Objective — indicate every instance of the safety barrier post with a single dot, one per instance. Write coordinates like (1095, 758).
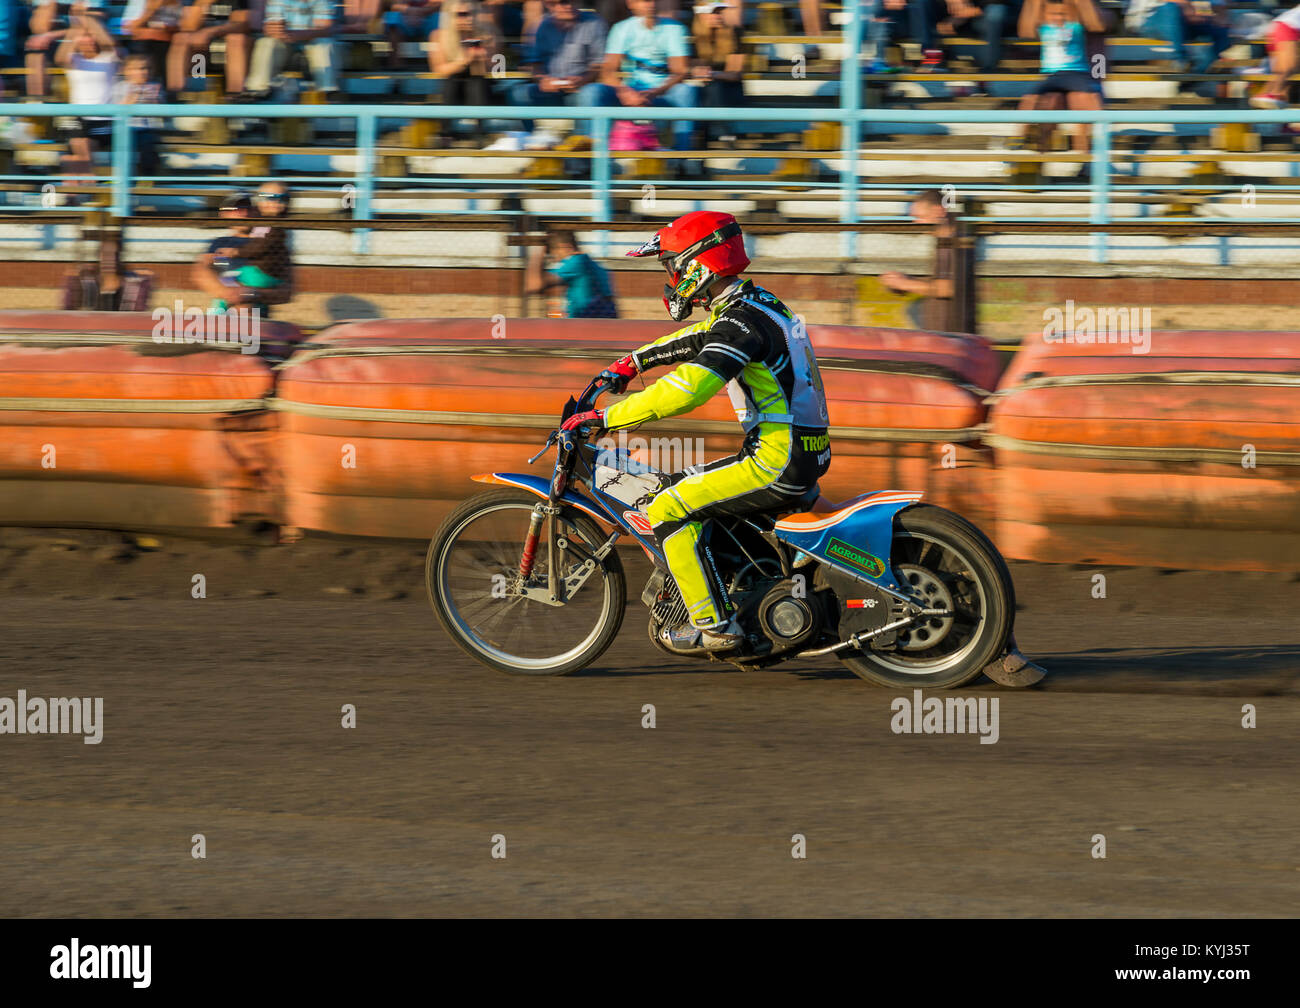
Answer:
(851, 126)
(1100, 208)
(367, 124)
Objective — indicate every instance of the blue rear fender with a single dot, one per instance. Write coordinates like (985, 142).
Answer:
(857, 539)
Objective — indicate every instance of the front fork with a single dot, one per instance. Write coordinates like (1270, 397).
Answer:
(542, 514)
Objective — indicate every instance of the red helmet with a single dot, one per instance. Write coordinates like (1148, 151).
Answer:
(696, 249)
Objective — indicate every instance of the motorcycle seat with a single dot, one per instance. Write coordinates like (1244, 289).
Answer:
(829, 514)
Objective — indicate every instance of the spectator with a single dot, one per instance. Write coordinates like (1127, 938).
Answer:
(49, 26)
(564, 59)
(148, 27)
(409, 21)
(107, 285)
(947, 296)
(1061, 27)
(646, 64)
(1284, 33)
(88, 54)
(198, 29)
(293, 23)
(588, 292)
(989, 20)
(882, 18)
(10, 17)
(1179, 22)
(276, 257)
(233, 271)
(719, 64)
(135, 88)
(460, 53)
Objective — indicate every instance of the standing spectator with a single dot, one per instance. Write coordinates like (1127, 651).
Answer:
(90, 59)
(199, 29)
(1062, 27)
(719, 63)
(292, 23)
(1284, 33)
(646, 64)
(460, 53)
(135, 88)
(564, 59)
(409, 21)
(49, 26)
(1179, 22)
(148, 27)
(588, 292)
(947, 302)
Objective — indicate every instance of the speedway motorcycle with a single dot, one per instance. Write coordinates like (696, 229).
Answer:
(525, 579)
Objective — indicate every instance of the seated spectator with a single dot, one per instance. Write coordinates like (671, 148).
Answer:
(587, 289)
(275, 258)
(1284, 33)
(135, 88)
(48, 26)
(289, 24)
(1061, 27)
(460, 52)
(719, 63)
(646, 64)
(91, 63)
(884, 19)
(409, 21)
(989, 20)
(244, 268)
(147, 28)
(107, 285)
(361, 17)
(564, 60)
(10, 17)
(199, 28)
(1179, 22)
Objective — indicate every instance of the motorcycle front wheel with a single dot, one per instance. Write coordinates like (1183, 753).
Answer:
(472, 576)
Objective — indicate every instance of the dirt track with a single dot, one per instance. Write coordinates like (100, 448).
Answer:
(222, 717)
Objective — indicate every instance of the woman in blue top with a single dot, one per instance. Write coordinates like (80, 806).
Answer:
(1070, 70)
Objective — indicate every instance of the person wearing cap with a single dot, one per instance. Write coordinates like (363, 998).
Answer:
(719, 62)
(215, 267)
(565, 58)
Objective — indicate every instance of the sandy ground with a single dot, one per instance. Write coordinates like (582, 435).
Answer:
(222, 717)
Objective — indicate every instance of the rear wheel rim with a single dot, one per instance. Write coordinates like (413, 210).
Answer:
(953, 569)
(475, 574)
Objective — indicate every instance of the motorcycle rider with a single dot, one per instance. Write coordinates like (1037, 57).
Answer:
(760, 351)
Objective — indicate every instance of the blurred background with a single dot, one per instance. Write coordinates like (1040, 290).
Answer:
(391, 137)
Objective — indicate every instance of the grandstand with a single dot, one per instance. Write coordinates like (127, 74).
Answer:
(824, 154)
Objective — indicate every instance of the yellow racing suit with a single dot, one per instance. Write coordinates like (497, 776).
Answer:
(752, 344)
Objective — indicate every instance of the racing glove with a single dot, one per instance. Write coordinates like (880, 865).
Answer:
(594, 418)
(620, 373)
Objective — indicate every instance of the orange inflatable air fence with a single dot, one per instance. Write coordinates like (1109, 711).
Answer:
(104, 427)
(1185, 456)
(384, 422)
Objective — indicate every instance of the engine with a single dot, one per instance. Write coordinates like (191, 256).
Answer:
(789, 615)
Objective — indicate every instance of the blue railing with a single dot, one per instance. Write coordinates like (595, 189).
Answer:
(849, 114)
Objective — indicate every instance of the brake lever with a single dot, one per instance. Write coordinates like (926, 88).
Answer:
(550, 440)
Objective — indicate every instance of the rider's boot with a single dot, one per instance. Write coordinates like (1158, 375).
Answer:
(686, 637)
